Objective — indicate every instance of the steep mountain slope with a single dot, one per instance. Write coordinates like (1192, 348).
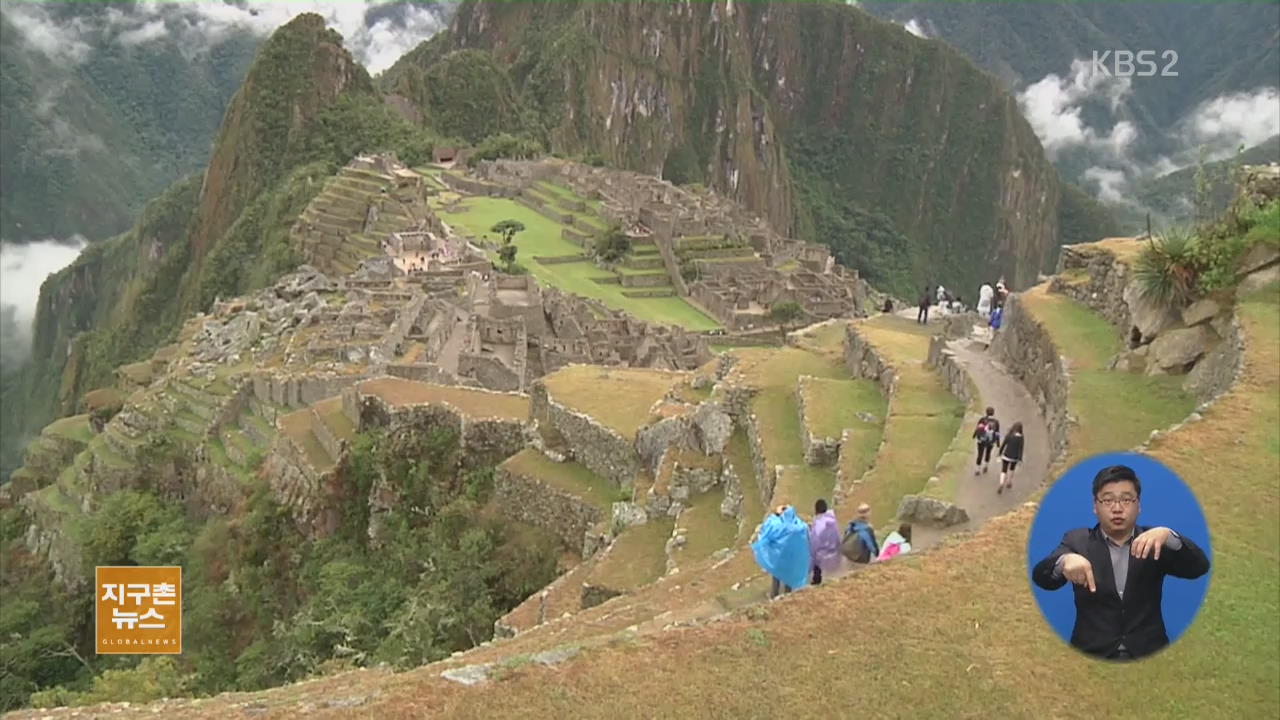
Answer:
(1021, 43)
(305, 107)
(913, 165)
(87, 141)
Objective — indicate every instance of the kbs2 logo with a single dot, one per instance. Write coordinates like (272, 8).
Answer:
(138, 610)
(1123, 63)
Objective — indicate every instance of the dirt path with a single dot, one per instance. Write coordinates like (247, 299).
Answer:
(977, 494)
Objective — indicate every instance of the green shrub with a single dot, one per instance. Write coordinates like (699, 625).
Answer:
(613, 245)
(1168, 269)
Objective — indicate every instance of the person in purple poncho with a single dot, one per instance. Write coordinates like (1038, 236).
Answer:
(824, 541)
(781, 548)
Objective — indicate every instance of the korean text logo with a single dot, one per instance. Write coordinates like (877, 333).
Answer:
(1122, 63)
(138, 610)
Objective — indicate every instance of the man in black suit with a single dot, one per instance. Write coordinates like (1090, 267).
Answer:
(1118, 570)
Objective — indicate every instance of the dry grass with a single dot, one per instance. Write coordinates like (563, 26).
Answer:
(1124, 249)
(567, 476)
(476, 403)
(619, 398)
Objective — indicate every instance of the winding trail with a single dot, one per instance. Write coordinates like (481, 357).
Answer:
(977, 493)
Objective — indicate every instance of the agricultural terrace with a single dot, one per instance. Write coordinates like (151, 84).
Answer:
(543, 237)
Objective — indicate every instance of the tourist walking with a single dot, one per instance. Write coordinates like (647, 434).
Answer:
(824, 542)
(1010, 456)
(986, 294)
(859, 544)
(898, 543)
(987, 433)
(922, 315)
(997, 317)
(781, 548)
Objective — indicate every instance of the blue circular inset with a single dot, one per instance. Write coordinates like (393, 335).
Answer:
(1165, 502)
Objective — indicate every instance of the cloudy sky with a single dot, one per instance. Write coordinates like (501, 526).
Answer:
(376, 31)
(1055, 108)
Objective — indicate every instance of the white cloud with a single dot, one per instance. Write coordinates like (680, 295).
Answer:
(914, 27)
(23, 267)
(1054, 106)
(61, 42)
(1229, 121)
(377, 32)
(147, 32)
(1112, 184)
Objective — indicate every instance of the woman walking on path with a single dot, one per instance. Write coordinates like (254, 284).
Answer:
(1010, 456)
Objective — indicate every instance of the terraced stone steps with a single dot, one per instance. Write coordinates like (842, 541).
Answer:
(700, 529)
(636, 558)
(299, 427)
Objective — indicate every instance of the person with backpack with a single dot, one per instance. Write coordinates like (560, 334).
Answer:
(859, 544)
(824, 542)
(987, 433)
(1010, 456)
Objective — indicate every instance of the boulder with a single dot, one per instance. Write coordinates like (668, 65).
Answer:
(627, 514)
(1259, 279)
(1148, 317)
(1258, 257)
(713, 426)
(916, 508)
(1174, 350)
(1200, 311)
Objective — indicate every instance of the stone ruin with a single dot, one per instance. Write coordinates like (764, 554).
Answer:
(739, 259)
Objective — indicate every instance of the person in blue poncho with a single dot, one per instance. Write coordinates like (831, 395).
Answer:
(781, 547)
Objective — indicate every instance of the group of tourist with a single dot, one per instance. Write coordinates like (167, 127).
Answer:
(987, 435)
(990, 302)
(796, 553)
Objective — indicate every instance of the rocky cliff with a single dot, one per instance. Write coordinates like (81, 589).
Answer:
(900, 154)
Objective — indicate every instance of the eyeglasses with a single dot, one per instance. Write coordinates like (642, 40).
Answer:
(1112, 501)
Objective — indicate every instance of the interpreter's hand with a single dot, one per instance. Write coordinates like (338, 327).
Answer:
(1078, 570)
(1149, 542)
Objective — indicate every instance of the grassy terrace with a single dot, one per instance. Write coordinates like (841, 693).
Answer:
(619, 398)
(706, 530)
(567, 476)
(476, 403)
(75, 427)
(1115, 409)
(297, 426)
(977, 643)
(922, 421)
(739, 453)
(774, 372)
(542, 238)
(638, 557)
(833, 405)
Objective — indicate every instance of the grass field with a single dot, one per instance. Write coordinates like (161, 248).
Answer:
(1115, 409)
(476, 403)
(922, 423)
(774, 372)
(567, 476)
(971, 642)
(637, 557)
(542, 238)
(619, 398)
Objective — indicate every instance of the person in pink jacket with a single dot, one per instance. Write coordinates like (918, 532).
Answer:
(824, 541)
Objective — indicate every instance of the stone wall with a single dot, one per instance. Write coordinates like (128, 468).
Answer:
(489, 372)
(1027, 351)
(299, 390)
(862, 360)
(1216, 372)
(817, 451)
(598, 448)
(427, 373)
(531, 501)
(954, 377)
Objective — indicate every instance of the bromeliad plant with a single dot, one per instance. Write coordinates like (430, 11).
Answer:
(1168, 269)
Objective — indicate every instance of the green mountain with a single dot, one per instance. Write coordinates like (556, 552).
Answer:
(838, 127)
(87, 141)
(1221, 48)
(304, 108)
(1171, 198)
